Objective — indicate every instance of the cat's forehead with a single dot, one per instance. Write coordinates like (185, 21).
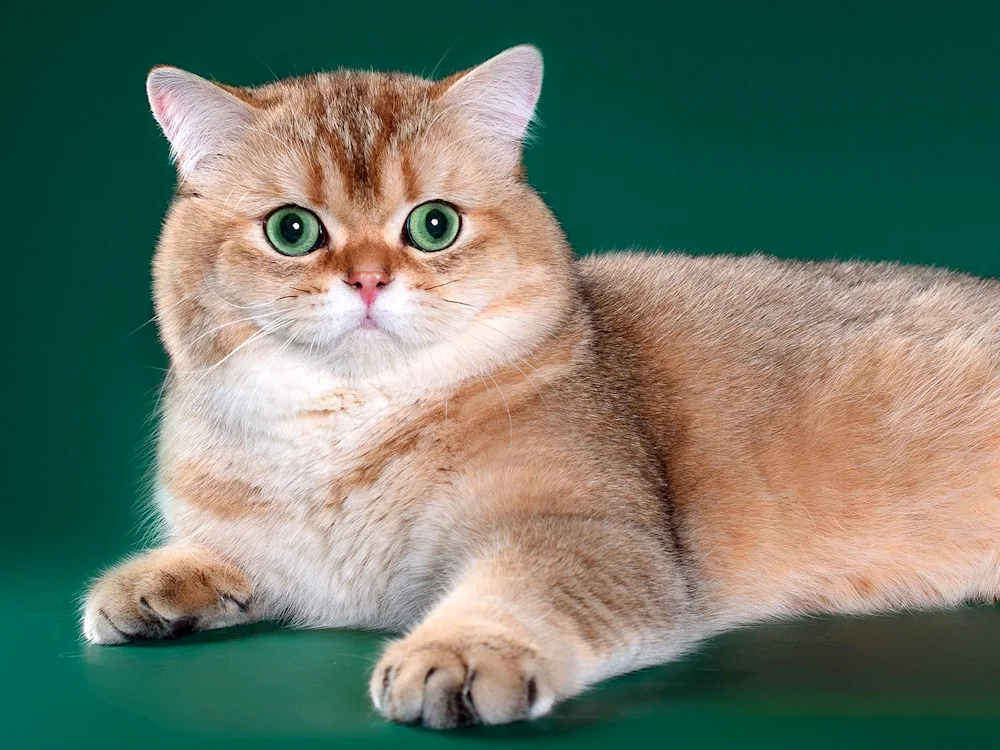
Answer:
(356, 107)
(302, 135)
(355, 120)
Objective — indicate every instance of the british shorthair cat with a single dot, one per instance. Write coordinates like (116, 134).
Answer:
(398, 401)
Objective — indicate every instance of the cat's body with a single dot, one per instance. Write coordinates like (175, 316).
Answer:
(831, 431)
(551, 470)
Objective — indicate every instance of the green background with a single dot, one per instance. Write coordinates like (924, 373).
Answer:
(806, 129)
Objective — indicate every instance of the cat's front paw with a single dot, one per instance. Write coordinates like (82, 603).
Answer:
(166, 593)
(454, 679)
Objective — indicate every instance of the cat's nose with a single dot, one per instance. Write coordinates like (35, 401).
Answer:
(368, 283)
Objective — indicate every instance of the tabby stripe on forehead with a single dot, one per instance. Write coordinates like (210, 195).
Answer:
(360, 129)
(409, 178)
(315, 177)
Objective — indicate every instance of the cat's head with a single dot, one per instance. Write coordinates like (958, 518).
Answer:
(377, 223)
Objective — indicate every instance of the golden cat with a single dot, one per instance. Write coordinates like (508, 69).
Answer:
(398, 401)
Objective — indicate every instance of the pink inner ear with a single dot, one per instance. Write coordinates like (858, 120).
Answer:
(197, 116)
(500, 95)
(158, 103)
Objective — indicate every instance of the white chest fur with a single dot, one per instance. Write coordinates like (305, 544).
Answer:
(321, 553)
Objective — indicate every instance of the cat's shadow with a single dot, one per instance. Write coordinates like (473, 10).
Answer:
(280, 680)
(885, 667)
(235, 633)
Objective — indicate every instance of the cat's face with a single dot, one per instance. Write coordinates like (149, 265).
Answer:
(372, 222)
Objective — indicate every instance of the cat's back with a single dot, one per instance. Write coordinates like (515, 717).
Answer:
(655, 296)
(736, 340)
(794, 402)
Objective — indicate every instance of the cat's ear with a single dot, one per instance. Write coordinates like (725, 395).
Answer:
(499, 96)
(198, 117)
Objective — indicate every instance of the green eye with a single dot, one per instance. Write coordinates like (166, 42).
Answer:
(292, 230)
(432, 226)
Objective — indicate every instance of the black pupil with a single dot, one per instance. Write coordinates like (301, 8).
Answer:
(292, 227)
(436, 223)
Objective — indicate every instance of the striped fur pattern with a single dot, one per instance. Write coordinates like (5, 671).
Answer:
(544, 471)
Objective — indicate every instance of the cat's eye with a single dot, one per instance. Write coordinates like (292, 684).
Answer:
(433, 226)
(293, 230)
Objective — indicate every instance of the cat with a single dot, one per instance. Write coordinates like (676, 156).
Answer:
(397, 400)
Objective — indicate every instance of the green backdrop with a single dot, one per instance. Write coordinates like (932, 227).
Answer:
(808, 129)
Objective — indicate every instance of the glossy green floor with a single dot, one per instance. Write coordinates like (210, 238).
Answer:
(806, 129)
(926, 680)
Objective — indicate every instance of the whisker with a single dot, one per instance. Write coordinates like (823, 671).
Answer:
(266, 66)
(456, 302)
(510, 419)
(472, 365)
(253, 394)
(438, 286)
(159, 395)
(156, 316)
(520, 359)
(260, 334)
(492, 314)
(266, 330)
(237, 206)
(526, 376)
(269, 135)
(441, 60)
(214, 329)
(214, 291)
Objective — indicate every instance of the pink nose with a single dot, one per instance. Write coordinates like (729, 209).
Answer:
(368, 283)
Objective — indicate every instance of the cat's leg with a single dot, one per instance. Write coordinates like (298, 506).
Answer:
(165, 593)
(543, 611)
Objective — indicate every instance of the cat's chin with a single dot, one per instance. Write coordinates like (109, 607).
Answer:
(365, 338)
(367, 352)
(368, 333)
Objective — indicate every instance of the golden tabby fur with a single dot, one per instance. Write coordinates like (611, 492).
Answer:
(546, 471)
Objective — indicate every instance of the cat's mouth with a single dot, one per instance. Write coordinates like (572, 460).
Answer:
(368, 322)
